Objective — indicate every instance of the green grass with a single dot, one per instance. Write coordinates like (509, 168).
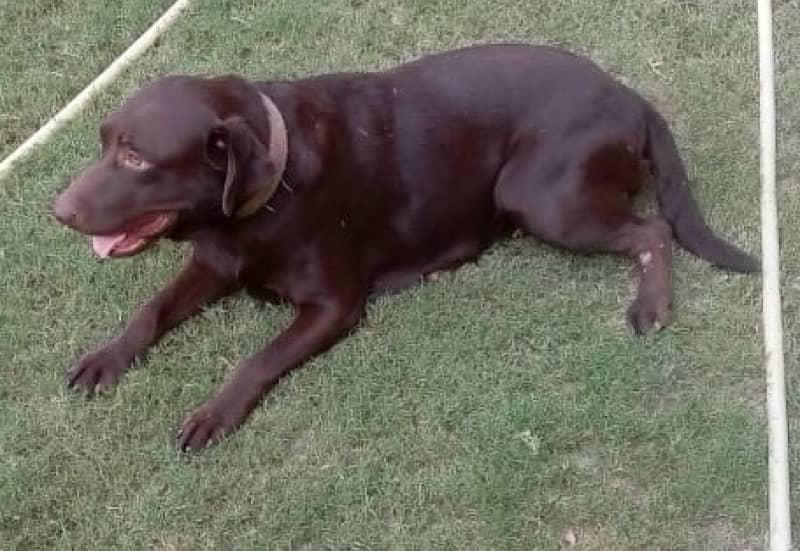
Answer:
(492, 409)
(52, 48)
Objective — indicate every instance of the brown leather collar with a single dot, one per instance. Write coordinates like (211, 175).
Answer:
(278, 151)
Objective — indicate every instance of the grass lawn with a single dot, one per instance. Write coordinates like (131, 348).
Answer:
(495, 408)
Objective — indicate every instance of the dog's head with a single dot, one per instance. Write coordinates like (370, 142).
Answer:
(182, 153)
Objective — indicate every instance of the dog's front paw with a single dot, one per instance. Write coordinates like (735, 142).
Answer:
(98, 371)
(209, 423)
(646, 314)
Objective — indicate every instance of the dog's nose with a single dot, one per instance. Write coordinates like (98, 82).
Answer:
(65, 210)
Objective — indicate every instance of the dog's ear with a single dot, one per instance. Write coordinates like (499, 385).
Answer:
(250, 175)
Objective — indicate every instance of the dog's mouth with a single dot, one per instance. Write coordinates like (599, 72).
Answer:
(135, 236)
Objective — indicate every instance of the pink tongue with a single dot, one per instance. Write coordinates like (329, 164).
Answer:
(104, 244)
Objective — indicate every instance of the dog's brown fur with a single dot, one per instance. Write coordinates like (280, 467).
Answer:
(390, 176)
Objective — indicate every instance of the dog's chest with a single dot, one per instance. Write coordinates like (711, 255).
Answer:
(262, 277)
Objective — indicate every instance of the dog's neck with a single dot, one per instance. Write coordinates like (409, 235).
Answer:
(278, 149)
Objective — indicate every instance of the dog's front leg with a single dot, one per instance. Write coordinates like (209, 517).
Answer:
(195, 286)
(316, 327)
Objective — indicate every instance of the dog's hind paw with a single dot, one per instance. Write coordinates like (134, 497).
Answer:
(645, 316)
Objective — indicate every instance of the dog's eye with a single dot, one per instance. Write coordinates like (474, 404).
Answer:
(133, 160)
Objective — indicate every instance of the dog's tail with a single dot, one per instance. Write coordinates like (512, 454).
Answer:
(679, 207)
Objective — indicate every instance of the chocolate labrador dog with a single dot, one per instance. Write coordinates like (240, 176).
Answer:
(324, 190)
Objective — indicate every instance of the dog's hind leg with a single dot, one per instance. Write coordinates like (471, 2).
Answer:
(583, 203)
